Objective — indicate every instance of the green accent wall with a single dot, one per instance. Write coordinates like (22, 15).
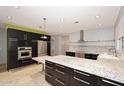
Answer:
(24, 29)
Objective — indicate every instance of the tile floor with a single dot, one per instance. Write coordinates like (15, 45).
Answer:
(31, 75)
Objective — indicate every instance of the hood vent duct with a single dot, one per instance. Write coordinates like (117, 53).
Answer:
(81, 36)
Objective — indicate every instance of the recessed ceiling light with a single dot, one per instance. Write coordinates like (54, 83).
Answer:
(16, 7)
(76, 22)
(97, 16)
(9, 17)
(40, 27)
(100, 24)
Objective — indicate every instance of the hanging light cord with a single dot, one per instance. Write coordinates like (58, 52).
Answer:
(44, 27)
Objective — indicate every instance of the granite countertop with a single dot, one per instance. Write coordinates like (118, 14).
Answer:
(110, 70)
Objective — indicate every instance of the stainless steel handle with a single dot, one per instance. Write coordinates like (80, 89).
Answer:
(81, 80)
(49, 62)
(59, 81)
(49, 67)
(60, 66)
(60, 71)
(81, 73)
(48, 75)
(109, 82)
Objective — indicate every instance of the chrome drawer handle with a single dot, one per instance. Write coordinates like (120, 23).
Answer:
(25, 61)
(81, 73)
(49, 66)
(109, 82)
(81, 80)
(60, 71)
(49, 62)
(48, 75)
(60, 66)
(59, 81)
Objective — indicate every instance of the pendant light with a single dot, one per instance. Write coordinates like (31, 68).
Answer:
(44, 24)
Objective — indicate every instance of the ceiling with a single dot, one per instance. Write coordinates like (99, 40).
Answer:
(60, 19)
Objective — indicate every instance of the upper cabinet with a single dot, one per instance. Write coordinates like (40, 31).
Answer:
(18, 35)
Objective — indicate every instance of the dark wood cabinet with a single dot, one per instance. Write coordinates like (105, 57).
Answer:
(12, 55)
(70, 54)
(17, 34)
(60, 75)
(17, 38)
(34, 48)
(57, 74)
(81, 78)
(32, 36)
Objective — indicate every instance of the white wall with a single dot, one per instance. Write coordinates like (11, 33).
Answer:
(119, 26)
(60, 44)
(99, 34)
(93, 35)
(2, 46)
(119, 31)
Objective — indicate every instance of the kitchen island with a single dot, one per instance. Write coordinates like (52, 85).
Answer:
(68, 70)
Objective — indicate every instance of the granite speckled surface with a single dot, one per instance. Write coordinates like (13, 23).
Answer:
(110, 70)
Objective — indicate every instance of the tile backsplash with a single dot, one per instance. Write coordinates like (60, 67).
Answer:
(94, 47)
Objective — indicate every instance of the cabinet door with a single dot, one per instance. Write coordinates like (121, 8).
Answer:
(16, 34)
(34, 48)
(32, 36)
(12, 55)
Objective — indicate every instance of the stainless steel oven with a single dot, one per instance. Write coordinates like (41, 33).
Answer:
(24, 53)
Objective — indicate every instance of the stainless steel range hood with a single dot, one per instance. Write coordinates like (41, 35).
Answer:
(81, 36)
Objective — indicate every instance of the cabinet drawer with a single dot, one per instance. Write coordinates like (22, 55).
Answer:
(50, 64)
(60, 82)
(107, 82)
(50, 78)
(63, 72)
(82, 76)
(75, 81)
(63, 69)
(50, 70)
(62, 76)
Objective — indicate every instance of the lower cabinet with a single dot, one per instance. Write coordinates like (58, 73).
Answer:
(25, 62)
(59, 75)
(80, 78)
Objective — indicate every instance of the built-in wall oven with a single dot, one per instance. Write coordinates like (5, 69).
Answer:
(24, 53)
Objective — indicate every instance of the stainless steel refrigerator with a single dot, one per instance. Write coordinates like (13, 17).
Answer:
(42, 48)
